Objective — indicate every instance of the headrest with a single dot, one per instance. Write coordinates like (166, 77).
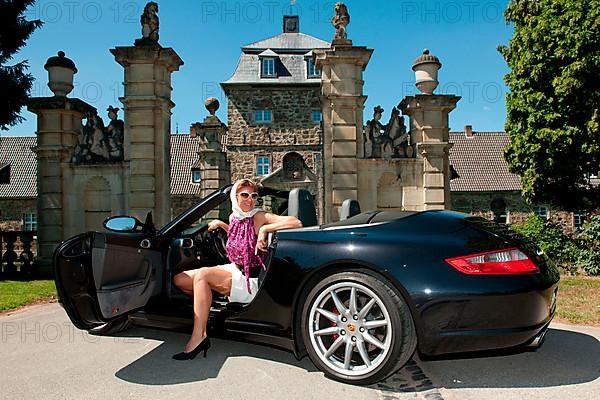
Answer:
(301, 206)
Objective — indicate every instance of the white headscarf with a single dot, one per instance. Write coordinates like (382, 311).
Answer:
(237, 212)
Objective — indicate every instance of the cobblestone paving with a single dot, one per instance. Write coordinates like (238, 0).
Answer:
(409, 380)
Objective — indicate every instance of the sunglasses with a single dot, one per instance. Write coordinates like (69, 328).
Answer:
(245, 195)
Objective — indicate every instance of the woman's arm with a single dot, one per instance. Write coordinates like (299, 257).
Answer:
(216, 224)
(272, 223)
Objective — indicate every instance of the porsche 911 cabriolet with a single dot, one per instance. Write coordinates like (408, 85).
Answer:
(358, 296)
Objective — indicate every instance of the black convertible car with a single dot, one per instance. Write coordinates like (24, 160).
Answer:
(359, 296)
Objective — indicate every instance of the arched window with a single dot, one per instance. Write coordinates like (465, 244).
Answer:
(293, 166)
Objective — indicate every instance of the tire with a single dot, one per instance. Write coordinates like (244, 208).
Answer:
(360, 343)
(113, 327)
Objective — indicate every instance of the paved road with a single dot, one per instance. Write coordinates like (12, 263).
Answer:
(43, 356)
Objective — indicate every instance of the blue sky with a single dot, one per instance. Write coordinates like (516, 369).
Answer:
(208, 35)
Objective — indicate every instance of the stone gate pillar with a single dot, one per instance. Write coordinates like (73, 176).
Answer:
(430, 128)
(212, 160)
(147, 114)
(342, 103)
(58, 126)
(429, 125)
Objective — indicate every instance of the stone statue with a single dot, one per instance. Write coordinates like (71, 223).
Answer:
(98, 144)
(149, 20)
(114, 135)
(397, 140)
(387, 141)
(374, 134)
(82, 153)
(340, 20)
(99, 148)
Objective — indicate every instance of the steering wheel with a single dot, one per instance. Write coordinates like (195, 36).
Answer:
(218, 240)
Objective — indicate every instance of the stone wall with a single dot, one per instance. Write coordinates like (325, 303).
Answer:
(390, 184)
(180, 203)
(243, 160)
(12, 210)
(479, 203)
(291, 129)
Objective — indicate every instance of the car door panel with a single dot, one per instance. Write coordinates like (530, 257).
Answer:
(125, 275)
(101, 276)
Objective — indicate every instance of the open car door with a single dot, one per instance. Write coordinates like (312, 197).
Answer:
(102, 276)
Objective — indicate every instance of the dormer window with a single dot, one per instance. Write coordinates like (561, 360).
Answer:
(196, 176)
(268, 64)
(311, 68)
(268, 67)
(4, 173)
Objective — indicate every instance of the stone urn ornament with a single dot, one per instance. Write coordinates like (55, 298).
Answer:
(60, 74)
(426, 68)
(212, 105)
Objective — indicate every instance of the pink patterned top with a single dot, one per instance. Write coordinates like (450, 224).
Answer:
(241, 242)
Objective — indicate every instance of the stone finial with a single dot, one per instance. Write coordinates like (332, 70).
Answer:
(340, 21)
(150, 25)
(212, 105)
(60, 74)
(426, 68)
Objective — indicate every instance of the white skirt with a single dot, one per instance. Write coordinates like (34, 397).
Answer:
(239, 290)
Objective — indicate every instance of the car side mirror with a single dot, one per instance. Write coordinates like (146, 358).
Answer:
(121, 224)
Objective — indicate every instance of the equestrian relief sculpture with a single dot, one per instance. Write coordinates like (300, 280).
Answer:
(388, 141)
(97, 143)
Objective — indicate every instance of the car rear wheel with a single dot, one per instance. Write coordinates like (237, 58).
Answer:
(357, 328)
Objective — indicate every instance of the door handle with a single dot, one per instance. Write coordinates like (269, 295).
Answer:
(145, 244)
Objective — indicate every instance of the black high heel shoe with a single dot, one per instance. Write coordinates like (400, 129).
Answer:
(203, 346)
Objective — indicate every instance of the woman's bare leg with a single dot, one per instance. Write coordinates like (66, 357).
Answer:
(185, 281)
(204, 280)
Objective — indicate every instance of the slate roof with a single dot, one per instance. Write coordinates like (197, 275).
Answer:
(479, 162)
(291, 49)
(184, 155)
(287, 41)
(16, 151)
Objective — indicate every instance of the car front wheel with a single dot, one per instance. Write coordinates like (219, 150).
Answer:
(357, 328)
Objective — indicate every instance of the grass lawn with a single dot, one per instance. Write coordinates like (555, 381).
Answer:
(15, 294)
(579, 300)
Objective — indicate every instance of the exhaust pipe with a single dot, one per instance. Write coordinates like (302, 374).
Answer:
(537, 341)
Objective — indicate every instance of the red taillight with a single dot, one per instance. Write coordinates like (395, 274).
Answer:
(500, 262)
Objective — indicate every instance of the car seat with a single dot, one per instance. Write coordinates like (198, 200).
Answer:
(301, 206)
(350, 208)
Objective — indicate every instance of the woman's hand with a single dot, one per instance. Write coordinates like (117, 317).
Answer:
(216, 224)
(261, 241)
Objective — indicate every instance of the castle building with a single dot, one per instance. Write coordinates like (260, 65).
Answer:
(274, 114)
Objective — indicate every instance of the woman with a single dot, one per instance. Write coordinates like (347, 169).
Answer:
(246, 249)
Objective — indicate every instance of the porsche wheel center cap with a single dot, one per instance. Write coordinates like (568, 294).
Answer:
(351, 328)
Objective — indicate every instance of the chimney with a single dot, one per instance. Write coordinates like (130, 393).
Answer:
(468, 131)
(291, 24)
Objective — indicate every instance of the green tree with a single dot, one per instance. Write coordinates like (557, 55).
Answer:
(15, 83)
(553, 106)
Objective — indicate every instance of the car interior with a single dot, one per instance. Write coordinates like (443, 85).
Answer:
(196, 247)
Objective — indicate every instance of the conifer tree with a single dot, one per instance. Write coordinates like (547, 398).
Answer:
(15, 82)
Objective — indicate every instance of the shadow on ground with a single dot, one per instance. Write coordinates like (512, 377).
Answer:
(565, 358)
(145, 369)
